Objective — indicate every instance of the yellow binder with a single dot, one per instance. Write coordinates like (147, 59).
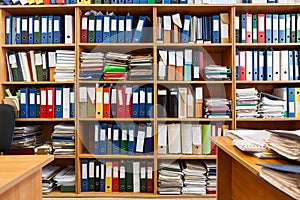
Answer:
(99, 102)
(108, 177)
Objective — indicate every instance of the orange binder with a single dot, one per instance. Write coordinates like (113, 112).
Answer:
(261, 28)
(199, 101)
(179, 66)
(171, 66)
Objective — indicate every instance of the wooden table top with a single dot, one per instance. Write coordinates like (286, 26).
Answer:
(248, 161)
(14, 169)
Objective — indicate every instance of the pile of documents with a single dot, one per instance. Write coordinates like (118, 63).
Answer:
(116, 65)
(285, 143)
(217, 72)
(247, 100)
(63, 139)
(211, 183)
(285, 177)
(170, 178)
(141, 67)
(271, 106)
(65, 65)
(217, 108)
(48, 172)
(91, 66)
(194, 177)
(27, 137)
(66, 179)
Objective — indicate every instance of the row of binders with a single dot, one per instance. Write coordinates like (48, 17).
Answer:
(267, 65)
(110, 28)
(39, 29)
(117, 176)
(189, 65)
(35, 65)
(123, 139)
(48, 2)
(267, 28)
(50, 102)
(120, 102)
(193, 29)
(53, 2)
(181, 102)
(188, 138)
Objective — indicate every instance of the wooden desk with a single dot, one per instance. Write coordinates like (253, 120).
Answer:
(237, 174)
(21, 176)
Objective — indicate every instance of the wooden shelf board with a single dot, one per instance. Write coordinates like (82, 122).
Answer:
(182, 156)
(38, 46)
(194, 82)
(194, 119)
(117, 119)
(38, 83)
(267, 82)
(92, 156)
(43, 119)
(117, 82)
(64, 156)
(266, 119)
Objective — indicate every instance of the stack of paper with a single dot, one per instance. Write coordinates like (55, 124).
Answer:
(217, 108)
(65, 65)
(63, 139)
(91, 66)
(194, 177)
(217, 72)
(27, 137)
(48, 172)
(141, 67)
(246, 103)
(66, 179)
(170, 178)
(285, 177)
(211, 183)
(271, 106)
(285, 143)
(116, 65)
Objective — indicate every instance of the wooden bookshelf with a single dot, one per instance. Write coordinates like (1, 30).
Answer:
(222, 53)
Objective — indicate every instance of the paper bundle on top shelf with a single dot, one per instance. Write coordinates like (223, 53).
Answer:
(170, 178)
(194, 177)
(63, 139)
(246, 103)
(217, 108)
(140, 67)
(116, 65)
(217, 73)
(91, 66)
(271, 106)
(65, 65)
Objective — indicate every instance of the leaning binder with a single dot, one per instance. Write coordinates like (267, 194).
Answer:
(141, 33)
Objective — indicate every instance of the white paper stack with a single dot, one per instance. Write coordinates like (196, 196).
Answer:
(246, 103)
(65, 65)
